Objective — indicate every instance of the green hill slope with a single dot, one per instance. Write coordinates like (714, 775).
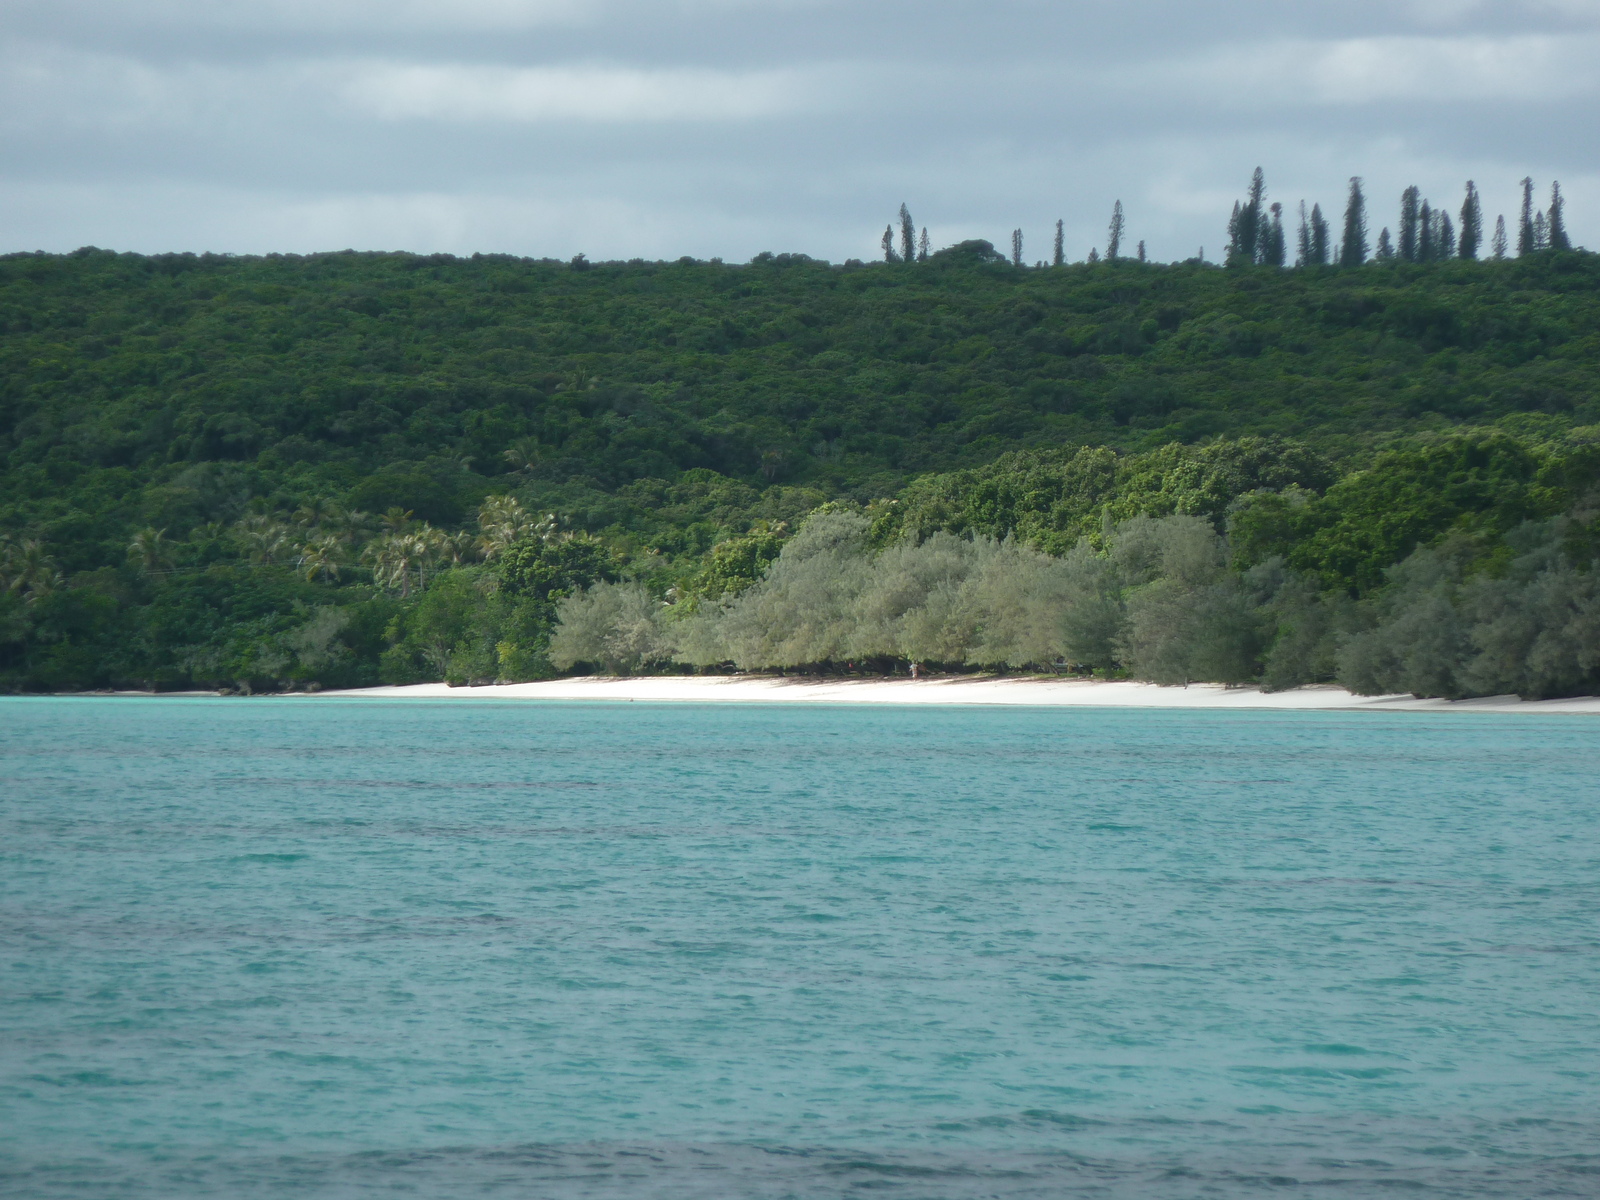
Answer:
(668, 407)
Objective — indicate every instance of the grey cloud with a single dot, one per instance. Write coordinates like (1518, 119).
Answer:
(724, 127)
(469, 92)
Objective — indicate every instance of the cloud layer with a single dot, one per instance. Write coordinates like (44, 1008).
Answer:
(723, 127)
(579, 93)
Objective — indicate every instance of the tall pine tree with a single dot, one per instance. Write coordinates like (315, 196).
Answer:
(1425, 233)
(1303, 248)
(888, 245)
(1500, 244)
(908, 235)
(1525, 242)
(1114, 233)
(1258, 195)
(1444, 240)
(1558, 221)
(1319, 237)
(1385, 247)
(1410, 199)
(1016, 247)
(1060, 256)
(1273, 250)
(922, 245)
(1244, 230)
(1141, 250)
(1354, 251)
(1471, 222)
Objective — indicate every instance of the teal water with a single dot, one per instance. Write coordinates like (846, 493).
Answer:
(324, 948)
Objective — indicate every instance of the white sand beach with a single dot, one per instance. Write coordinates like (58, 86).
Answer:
(958, 690)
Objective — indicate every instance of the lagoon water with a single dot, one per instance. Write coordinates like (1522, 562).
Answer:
(325, 948)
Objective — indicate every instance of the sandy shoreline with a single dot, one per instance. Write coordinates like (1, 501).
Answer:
(1049, 692)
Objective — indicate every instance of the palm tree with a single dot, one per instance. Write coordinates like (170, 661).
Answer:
(265, 538)
(315, 513)
(347, 523)
(503, 523)
(10, 553)
(26, 569)
(44, 582)
(427, 549)
(150, 549)
(388, 569)
(523, 454)
(396, 519)
(324, 556)
(578, 381)
(457, 547)
(394, 556)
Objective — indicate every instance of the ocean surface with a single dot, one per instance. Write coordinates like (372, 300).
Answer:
(351, 948)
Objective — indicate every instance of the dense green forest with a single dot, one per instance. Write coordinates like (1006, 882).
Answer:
(347, 468)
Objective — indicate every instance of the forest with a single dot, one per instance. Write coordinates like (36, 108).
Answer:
(285, 472)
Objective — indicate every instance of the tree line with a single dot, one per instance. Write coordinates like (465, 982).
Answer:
(1453, 566)
(273, 472)
(1151, 598)
(1257, 235)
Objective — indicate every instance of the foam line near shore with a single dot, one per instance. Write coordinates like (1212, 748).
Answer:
(960, 690)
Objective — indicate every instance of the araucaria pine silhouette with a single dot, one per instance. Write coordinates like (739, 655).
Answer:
(1354, 251)
(1557, 224)
(1526, 243)
(1410, 213)
(1471, 223)
(1244, 229)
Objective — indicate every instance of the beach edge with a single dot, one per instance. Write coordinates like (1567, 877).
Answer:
(961, 690)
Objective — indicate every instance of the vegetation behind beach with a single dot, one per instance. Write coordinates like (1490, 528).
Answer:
(353, 468)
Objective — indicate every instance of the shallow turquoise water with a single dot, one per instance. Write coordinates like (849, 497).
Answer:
(322, 948)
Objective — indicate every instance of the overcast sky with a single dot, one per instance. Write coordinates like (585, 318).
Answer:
(658, 128)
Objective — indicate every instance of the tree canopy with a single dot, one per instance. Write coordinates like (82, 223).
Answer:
(342, 467)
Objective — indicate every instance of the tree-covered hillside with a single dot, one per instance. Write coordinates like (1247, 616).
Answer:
(395, 380)
(205, 456)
